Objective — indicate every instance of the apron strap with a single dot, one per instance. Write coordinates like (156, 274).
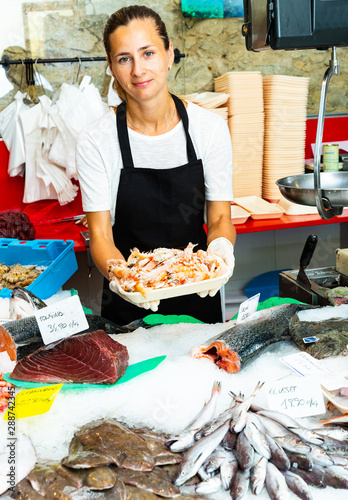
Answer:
(123, 137)
(191, 153)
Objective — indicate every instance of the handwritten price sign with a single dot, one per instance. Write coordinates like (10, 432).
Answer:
(297, 397)
(61, 319)
(247, 308)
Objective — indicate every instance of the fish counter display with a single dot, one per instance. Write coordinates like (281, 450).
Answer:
(196, 428)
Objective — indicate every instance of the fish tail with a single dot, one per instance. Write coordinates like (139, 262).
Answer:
(216, 387)
(7, 344)
(219, 354)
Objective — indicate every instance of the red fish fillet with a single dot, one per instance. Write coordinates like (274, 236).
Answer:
(91, 357)
(219, 354)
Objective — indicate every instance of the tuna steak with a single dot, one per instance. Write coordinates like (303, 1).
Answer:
(91, 357)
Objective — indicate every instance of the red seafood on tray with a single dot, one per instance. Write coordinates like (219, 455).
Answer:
(165, 273)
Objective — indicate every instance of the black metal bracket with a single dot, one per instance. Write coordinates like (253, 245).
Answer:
(178, 56)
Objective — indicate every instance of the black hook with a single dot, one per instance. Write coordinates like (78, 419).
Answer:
(29, 71)
(178, 56)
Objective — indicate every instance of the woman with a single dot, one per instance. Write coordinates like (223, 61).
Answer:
(142, 179)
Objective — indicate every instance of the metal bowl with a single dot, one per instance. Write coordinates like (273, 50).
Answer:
(300, 188)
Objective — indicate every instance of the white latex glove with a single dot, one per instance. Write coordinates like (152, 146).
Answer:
(115, 287)
(223, 248)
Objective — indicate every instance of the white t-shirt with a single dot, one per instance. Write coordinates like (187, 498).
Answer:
(99, 161)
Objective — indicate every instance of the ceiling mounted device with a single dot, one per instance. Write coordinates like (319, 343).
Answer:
(318, 24)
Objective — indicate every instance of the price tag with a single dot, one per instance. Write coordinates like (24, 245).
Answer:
(31, 402)
(247, 308)
(61, 319)
(297, 397)
(304, 364)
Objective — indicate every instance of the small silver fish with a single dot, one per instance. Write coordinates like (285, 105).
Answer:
(319, 456)
(307, 434)
(196, 456)
(214, 461)
(336, 431)
(278, 456)
(187, 437)
(228, 470)
(215, 423)
(244, 452)
(275, 483)
(209, 486)
(257, 439)
(336, 476)
(240, 484)
(258, 475)
(239, 414)
(297, 485)
(24, 303)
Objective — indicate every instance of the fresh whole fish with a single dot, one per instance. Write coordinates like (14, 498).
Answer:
(239, 412)
(297, 485)
(335, 476)
(209, 486)
(258, 475)
(239, 344)
(23, 303)
(229, 441)
(156, 481)
(228, 470)
(203, 474)
(319, 456)
(196, 456)
(304, 462)
(187, 437)
(215, 423)
(275, 483)
(306, 434)
(240, 484)
(332, 335)
(284, 437)
(244, 452)
(335, 447)
(314, 477)
(214, 461)
(336, 431)
(257, 439)
(278, 456)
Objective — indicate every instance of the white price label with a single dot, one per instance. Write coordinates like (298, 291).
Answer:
(247, 308)
(61, 319)
(304, 364)
(296, 397)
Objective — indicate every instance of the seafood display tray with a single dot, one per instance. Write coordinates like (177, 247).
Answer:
(57, 256)
(176, 291)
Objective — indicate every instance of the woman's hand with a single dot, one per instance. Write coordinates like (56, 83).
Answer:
(115, 287)
(82, 221)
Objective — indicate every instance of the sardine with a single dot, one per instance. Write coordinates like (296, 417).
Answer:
(306, 434)
(187, 437)
(275, 483)
(244, 452)
(297, 485)
(240, 484)
(258, 475)
(228, 470)
(196, 456)
(239, 344)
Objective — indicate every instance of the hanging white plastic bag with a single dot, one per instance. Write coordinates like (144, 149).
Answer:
(12, 133)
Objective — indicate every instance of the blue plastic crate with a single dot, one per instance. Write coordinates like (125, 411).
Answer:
(57, 255)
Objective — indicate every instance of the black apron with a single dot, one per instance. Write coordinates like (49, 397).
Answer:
(159, 208)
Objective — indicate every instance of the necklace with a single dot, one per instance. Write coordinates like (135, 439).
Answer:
(144, 133)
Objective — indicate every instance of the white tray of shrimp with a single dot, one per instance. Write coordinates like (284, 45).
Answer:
(166, 273)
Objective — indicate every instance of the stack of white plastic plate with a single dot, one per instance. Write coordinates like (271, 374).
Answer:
(285, 101)
(246, 124)
(213, 101)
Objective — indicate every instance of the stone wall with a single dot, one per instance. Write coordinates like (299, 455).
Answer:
(211, 46)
